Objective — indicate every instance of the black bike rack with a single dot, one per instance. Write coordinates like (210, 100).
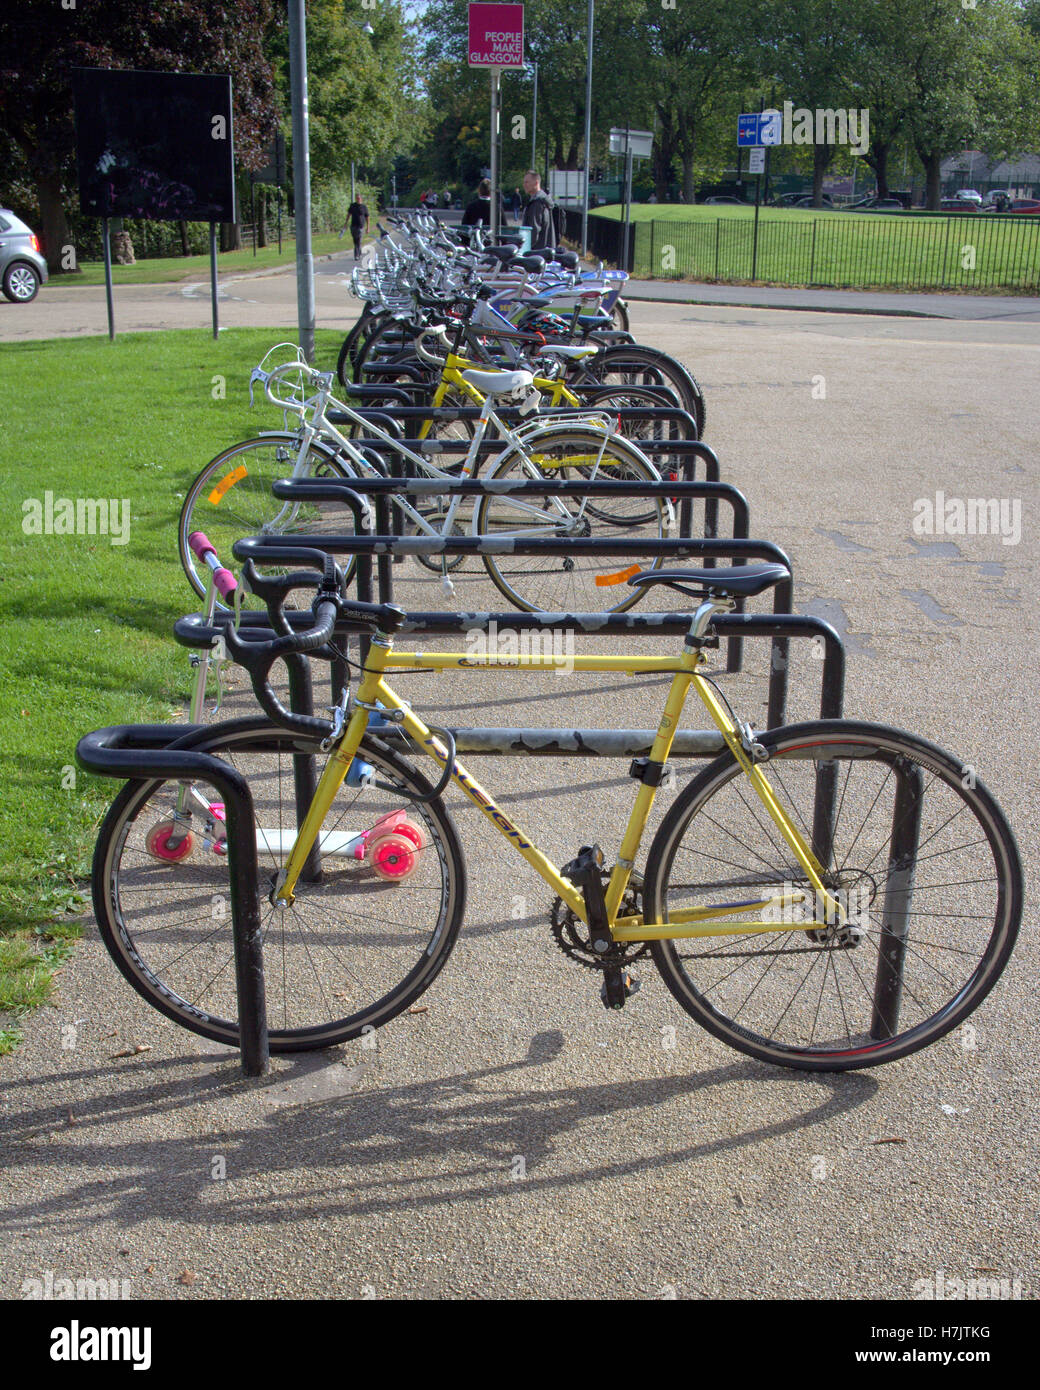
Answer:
(686, 491)
(158, 751)
(144, 751)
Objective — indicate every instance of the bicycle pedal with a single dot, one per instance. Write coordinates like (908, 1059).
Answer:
(618, 986)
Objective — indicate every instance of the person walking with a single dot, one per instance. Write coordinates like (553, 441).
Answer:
(540, 212)
(357, 221)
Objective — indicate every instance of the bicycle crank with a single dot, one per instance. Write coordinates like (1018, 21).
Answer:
(575, 940)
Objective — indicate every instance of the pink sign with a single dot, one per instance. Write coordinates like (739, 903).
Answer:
(496, 36)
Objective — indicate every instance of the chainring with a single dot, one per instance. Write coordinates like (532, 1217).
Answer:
(572, 935)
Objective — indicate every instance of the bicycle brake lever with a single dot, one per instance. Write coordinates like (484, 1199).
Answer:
(256, 375)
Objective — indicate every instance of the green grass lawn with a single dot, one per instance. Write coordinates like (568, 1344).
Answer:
(85, 625)
(822, 247)
(161, 271)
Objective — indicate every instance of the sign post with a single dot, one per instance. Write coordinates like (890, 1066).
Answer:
(633, 144)
(757, 131)
(496, 41)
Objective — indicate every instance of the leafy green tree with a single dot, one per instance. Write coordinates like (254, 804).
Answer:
(972, 80)
(41, 42)
(363, 92)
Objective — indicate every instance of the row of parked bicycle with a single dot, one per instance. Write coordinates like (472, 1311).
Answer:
(827, 895)
(499, 364)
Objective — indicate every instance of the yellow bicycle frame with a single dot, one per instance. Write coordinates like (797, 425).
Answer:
(451, 377)
(690, 922)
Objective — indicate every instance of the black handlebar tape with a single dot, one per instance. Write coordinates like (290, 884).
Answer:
(258, 659)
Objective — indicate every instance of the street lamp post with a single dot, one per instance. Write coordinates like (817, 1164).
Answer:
(588, 131)
(301, 177)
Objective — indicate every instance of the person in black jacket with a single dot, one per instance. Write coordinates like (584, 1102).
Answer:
(478, 212)
(539, 213)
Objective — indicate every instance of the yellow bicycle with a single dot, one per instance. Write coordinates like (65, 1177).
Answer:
(826, 895)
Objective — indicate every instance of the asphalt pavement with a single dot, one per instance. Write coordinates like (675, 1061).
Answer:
(514, 1139)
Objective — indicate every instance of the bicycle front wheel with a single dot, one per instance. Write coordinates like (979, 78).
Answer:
(231, 499)
(914, 848)
(571, 582)
(376, 913)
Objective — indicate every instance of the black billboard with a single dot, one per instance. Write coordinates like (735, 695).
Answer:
(155, 144)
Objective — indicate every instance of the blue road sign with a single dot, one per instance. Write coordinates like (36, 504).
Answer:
(760, 128)
(747, 129)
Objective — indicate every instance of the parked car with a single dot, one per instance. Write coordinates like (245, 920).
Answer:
(1026, 205)
(958, 205)
(724, 199)
(806, 201)
(22, 266)
(874, 204)
(970, 195)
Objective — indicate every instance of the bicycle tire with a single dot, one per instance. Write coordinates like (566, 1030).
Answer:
(634, 396)
(345, 360)
(534, 583)
(637, 365)
(159, 919)
(229, 504)
(717, 821)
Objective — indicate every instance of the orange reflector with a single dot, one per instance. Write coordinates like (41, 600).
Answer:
(226, 484)
(606, 580)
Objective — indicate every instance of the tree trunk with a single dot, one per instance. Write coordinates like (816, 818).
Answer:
(230, 236)
(687, 179)
(183, 228)
(663, 152)
(878, 161)
(122, 248)
(54, 226)
(822, 156)
(933, 181)
(261, 217)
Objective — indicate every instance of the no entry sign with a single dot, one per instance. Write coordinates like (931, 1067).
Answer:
(496, 36)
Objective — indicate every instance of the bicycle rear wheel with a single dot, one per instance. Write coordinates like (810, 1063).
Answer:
(637, 365)
(914, 846)
(573, 582)
(231, 499)
(364, 938)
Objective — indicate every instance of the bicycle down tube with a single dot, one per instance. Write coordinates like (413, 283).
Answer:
(374, 696)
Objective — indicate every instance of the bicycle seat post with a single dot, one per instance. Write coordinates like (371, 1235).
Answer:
(701, 620)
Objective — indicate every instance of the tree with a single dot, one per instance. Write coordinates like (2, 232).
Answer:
(812, 50)
(972, 79)
(363, 94)
(41, 42)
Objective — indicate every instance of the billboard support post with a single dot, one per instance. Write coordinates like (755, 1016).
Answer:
(108, 278)
(213, 275)
(633, 144)
(588, 132)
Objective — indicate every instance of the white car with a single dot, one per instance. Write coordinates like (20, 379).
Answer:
(970, 195)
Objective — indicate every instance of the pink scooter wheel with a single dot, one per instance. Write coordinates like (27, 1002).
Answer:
(393, 857)
(157, 843)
